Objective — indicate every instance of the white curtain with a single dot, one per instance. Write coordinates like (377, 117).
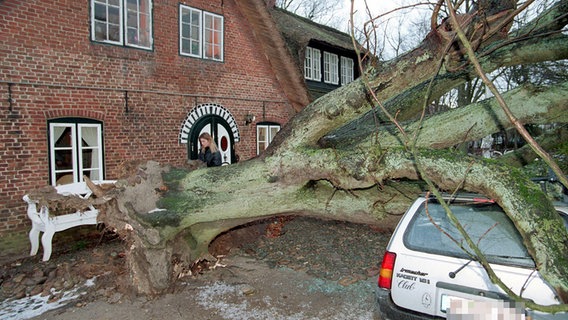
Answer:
(57, 133)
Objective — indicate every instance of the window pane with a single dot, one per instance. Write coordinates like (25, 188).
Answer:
(114, 33)
(114, 15)
(90, 158)
(62, 136)
(195, 34)
(185, 33)
(89, 136)
(273, 131)
(132, 21)
(262, 133)
(185, 18)
(195, 47)
(195, 18)
(100, 12)
(185, 46)
(132, 36)
(63, 159)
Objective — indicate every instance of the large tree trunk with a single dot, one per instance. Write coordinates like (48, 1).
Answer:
(364, 185)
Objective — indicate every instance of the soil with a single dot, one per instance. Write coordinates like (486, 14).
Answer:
(283, 268)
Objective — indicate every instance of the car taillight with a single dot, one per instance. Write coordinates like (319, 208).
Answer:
(387, 266)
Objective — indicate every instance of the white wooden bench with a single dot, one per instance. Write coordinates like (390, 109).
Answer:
(49, 225)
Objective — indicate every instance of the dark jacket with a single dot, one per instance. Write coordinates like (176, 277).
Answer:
(212, 159)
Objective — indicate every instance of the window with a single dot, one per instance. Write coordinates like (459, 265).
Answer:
(346, 70)
(75, 149)
(312, 67)
(486, 224)
(265, 132)
(330, 68)
(201, 34)
(122, 22)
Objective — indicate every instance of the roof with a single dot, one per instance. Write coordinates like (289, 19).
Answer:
(284, 65)
(298, 32)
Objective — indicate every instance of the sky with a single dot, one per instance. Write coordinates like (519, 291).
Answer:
(376, 7)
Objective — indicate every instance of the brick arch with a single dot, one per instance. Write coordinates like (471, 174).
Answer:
(203, 110)
(70, 113)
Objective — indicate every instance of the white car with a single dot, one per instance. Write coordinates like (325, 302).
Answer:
(426, 275)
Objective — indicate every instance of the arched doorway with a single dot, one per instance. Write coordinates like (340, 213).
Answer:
(219, 130)
(215, 120)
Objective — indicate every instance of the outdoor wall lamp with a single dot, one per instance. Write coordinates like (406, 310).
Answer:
(249, 118)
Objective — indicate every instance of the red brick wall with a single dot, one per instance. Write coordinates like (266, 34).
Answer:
(50, 69)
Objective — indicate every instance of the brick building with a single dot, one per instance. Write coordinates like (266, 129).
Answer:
(88, 85)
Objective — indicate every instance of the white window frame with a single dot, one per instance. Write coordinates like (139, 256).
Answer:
(266, 139)
(137, 14)
(76, 134)
(312, 64)
(347, 70)
(330, 68)
(216, 27)
(192, 36)
(203, 34)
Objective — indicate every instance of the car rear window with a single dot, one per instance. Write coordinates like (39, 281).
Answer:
(487, 225)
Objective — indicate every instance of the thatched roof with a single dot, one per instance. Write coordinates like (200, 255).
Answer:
(287, 71)
(298, 32)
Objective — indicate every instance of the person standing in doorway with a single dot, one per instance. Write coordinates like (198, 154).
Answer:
(209, 152)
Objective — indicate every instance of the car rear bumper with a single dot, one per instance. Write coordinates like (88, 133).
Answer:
(385, 309)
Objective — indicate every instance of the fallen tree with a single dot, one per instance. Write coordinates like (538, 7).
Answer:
(342, 158)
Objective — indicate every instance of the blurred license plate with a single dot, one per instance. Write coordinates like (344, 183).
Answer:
(447, 301)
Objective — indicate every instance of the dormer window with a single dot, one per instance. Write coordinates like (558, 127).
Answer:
(122, 22)
(201, 34)
(337, 69)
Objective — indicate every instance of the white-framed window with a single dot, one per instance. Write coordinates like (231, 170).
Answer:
(75, 150)
(265, 132)
(330, 68)
(312, 64)
(201, 34)
(347, 72)
(122, 22)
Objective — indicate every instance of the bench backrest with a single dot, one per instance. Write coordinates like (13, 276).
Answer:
(79, 188)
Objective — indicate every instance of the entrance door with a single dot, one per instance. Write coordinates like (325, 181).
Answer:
(218, 128)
